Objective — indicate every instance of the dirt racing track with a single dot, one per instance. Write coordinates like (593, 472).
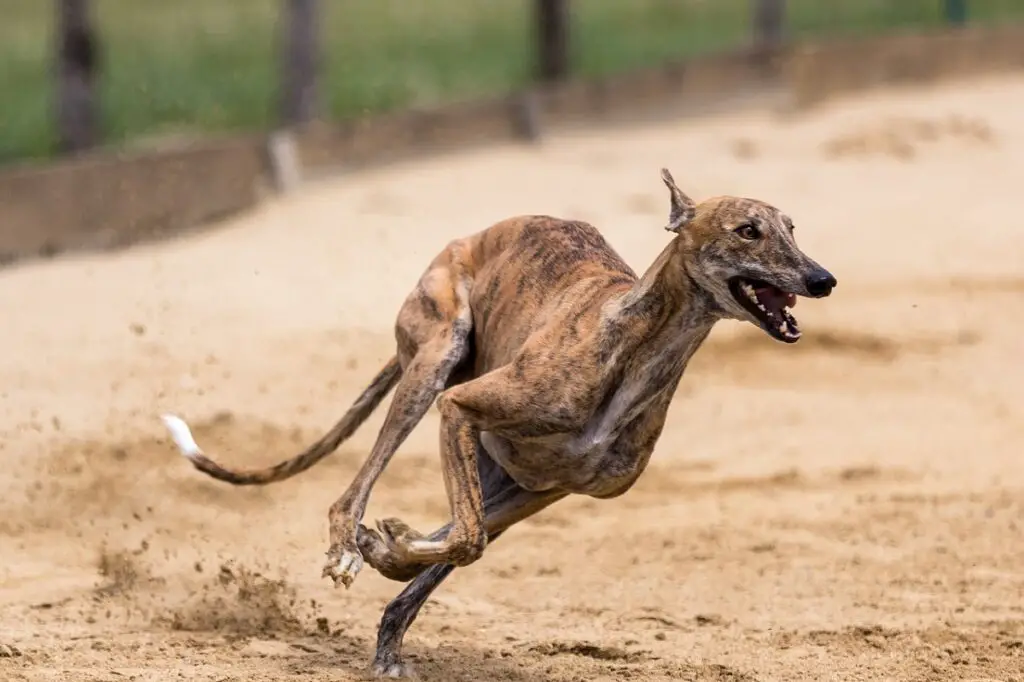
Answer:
(848, 508)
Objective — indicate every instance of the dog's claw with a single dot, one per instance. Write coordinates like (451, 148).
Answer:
(345, 570)
(394, 670)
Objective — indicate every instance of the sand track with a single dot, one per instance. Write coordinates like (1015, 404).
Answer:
(850, 508)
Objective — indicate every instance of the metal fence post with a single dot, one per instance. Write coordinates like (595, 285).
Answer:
(769, 23)
(552, 18)
(301, 57)
(956, 11)
(77, 67)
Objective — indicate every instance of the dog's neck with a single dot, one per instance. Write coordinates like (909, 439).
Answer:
(667, 296)
(669, 313)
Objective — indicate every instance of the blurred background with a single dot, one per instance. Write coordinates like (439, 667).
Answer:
(81, 73)
(847, 507)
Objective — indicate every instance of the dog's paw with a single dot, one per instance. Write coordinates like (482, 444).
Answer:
(344, 570)
(398, 535)
(392, 669)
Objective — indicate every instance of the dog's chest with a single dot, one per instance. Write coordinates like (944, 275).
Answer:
(602, 431)
(597, 459)
(604, 455)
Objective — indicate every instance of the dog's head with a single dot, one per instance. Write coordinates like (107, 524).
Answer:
(743, 254)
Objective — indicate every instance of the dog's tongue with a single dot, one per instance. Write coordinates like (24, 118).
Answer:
(775, 299)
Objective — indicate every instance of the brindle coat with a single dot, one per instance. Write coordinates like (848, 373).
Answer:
(553, 366)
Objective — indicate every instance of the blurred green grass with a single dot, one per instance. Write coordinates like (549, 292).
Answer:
(184, 66)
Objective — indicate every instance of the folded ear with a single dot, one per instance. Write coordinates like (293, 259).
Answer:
(683, 209)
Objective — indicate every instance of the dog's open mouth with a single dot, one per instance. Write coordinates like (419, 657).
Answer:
(770, 305)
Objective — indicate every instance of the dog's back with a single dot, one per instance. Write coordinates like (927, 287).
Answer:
(524, 268)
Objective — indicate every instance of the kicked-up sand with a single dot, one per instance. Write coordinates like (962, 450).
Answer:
(848, 508)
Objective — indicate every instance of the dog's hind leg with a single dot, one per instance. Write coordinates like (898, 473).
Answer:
(516, 504)
(378, 553)
(506, 503)
(399, 615)
(433, 331)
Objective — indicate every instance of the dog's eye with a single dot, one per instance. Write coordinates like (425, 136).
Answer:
(747, 231)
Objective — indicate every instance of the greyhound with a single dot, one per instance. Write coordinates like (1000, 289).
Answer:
(552, 365)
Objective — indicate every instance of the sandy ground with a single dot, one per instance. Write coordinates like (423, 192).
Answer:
(849, 508)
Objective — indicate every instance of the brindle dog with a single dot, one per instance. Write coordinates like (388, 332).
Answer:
(552, 365)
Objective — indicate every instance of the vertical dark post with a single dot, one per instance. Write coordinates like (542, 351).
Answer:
(301, 58)
(956, 11)
(77, 67)
(769, 19)
(552, 39)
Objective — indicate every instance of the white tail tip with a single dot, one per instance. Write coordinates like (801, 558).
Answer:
(182, 435)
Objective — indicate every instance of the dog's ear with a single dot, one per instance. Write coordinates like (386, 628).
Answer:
(683, 209)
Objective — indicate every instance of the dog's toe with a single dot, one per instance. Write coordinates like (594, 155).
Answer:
(394, 669)
(397, 533)
(345, 570)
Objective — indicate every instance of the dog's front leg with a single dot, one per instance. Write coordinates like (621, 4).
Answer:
(467, 537)
(420, 384)
(466, 410)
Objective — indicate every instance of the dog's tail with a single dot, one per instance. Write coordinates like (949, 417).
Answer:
(346, 426)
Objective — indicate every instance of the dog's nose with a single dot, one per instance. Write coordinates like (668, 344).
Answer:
(820, 283)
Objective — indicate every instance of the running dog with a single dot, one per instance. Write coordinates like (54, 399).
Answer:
(552, 365)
